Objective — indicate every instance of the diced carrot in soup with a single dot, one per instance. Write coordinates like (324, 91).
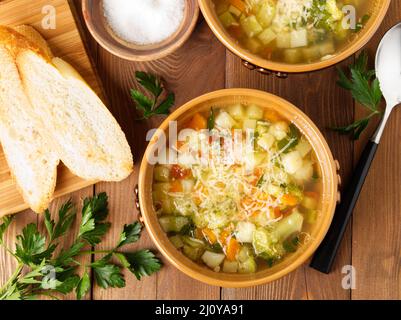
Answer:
(209, 235)
(271, 116)
(199, 233)
(176, 186)
(289, 200)
(232, 250)
(277, 213)
(224, 235)
(198, 122)
(239, 4)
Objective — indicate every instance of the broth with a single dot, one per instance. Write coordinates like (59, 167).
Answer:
(244, 191)
(291, 31)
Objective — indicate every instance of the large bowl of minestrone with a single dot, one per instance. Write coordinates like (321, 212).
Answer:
(237, 188)
(293, 35)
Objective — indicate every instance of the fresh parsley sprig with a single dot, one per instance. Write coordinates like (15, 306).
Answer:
(155, 102)
(365, 89)
(49, 274)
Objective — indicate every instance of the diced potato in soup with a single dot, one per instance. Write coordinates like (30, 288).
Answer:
(246, 214)
(291, 31)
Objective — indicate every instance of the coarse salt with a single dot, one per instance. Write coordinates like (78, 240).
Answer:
(144, 22)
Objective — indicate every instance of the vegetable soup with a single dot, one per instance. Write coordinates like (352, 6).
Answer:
(292, 31)
(248, 203)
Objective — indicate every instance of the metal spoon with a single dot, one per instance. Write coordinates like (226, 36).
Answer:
(388, 71)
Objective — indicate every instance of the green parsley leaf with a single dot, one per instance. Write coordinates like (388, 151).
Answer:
(365, 89)
(361, 23)
(94, 211)
(149, 82)
(364, 92)
(83, 286)
(165, 106)
(13, 293)
(355, 128)
(143, 263)
(143, 102)
(123, 260)
(66, 216)
(42, 272)
(95, 236)
(130, 234)
(99, 206)
(107, 274)
(66, 256)
(31, 246)
(68, 285)
(154, 87)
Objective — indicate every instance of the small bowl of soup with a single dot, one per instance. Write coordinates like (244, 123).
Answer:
(289, 36)
(237, 188)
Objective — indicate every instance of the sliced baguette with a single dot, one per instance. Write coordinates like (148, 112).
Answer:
(35, 38)
(32, 163)
(15, 41)
(86, 136)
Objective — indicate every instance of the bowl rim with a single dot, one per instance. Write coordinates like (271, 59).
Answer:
(148, 56)
(304, 256)
(230, 44)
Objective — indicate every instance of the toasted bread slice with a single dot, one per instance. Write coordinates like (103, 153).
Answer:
(31, 161)
(86, 136)
(15, 41)
(35, 38)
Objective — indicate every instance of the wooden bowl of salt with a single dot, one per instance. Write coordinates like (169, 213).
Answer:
(138, 30)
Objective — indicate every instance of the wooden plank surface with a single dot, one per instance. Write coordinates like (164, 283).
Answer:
(373, 241)
(376, 238)
(65, 41)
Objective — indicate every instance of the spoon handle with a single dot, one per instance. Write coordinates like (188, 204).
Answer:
(324, 257)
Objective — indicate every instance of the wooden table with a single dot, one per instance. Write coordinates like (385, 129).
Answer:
(373, 240)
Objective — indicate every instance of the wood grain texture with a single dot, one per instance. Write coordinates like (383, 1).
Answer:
(376, 245)
(66, 43)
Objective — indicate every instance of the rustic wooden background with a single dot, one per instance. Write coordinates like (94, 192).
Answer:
(373, 241)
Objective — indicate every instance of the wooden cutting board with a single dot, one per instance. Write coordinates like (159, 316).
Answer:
(65, 42)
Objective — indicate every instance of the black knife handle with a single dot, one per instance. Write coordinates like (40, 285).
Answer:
(325, 255)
